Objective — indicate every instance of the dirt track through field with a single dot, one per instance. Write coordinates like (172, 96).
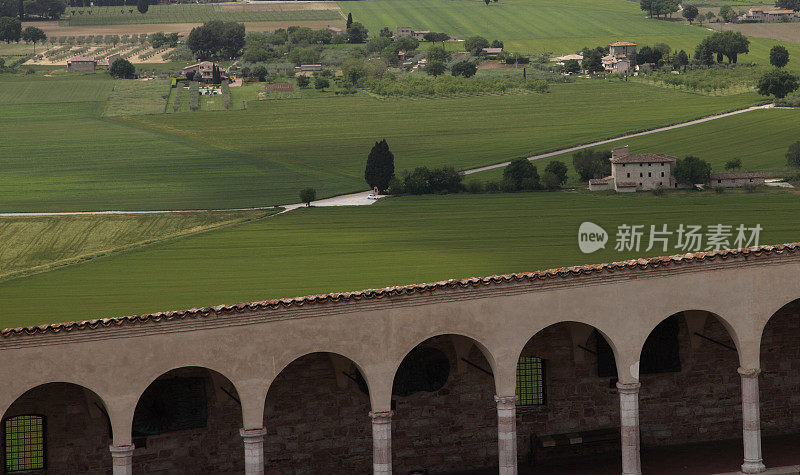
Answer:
(789, 32)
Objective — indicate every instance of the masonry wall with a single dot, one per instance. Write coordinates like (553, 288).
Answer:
(454, 428)
(313, 424)
(77, 431)
(780, 373)
(216, 448)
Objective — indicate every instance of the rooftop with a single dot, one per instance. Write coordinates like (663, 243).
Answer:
(736, 175)
(622, 43)
(574, 272)
(643, 158)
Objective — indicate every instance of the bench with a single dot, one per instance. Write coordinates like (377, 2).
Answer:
(541, 444)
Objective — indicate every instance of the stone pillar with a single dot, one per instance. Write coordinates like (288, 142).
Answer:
(507, 434)
(122, 459)
(629, 427)
(382, 442)
(253, 450)
(751, 422)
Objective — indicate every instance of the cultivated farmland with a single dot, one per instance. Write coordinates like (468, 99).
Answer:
(760, 138)
(40, 243)
(399, 241)
(199, 13)
(265, 154)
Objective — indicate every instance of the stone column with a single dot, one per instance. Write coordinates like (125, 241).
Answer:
(507, 434)
(122, 459)
(751, 422)
(253, 450)
(629, 427)
(382, 442)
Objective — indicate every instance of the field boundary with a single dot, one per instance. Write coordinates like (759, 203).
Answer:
(40, 269)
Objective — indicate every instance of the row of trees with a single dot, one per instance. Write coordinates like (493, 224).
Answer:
(659, 8)
(11, 31)
(45, 9)
(728, 44)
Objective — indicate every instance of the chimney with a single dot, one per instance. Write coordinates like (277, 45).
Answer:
(619, 152)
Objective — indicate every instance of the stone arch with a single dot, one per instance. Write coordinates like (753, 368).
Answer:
(316, 413)
(77, 426)
(197, 406)
(779, 356)
(577, 370)
(445, 415)
(690, 387)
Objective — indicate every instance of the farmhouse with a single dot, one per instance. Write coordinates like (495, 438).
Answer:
(736, 180)
(636, 171)
(446, 376)
(81, 63)
(206, 71)
(757, 14)
(621, 57)
(408, 32)
(492, 52)
(616, 65)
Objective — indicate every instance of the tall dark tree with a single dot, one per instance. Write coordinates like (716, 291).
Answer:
(142, 6)
(779, 56)
(559, 169)
(380, 166)
(308, 195)
(692, 170)
(778, 83)
(122, 69)
(592, 163)
(356, 33)
(690, 12)
(349, 21)
(520, 175)
(10, 29)
(216, 78)
(21, 10)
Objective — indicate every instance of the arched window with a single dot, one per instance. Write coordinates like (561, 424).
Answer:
(24, 438)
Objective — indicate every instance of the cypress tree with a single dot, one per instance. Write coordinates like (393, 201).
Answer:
(349, 20)
(380, 166)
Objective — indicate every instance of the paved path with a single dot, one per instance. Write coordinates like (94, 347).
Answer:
(360, 198)
(638, 134)
(352, 199)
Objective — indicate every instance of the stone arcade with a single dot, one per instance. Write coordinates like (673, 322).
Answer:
(311, 384)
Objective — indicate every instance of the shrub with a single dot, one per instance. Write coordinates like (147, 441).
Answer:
(492, 186)
(308, 195)
(520, 175)
(122, 69)
(473, 186)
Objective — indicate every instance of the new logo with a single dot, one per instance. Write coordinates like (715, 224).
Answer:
(591, 237)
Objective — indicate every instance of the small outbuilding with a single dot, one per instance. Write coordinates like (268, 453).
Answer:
(81, 63)
(736, 179)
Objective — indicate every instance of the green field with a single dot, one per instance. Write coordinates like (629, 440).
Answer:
(543, 26)
(37, 243)
(760, 138)
(75, 159)
(188, 13)
(399, 241)
(137, 97)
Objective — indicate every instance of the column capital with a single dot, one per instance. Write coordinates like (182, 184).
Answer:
(628, 388)
(749, 373)
(252, 433)
(121, 451)
(381, 417)
(506, 402)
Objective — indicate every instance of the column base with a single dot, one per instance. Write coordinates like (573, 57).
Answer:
(122, 459)
(756, 466)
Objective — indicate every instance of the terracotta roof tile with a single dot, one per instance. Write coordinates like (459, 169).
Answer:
(643, 158)
(371, 294)
(736, 175)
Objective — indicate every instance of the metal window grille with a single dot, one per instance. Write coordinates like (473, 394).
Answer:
(530, 381)
(24, 438)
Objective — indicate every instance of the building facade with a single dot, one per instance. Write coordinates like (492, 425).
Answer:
(757, 14)
(736, 179)
(81, 63)
(420, 377)
(636, 172)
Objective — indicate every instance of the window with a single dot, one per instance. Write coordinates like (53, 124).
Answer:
(629, 175)
(530, 381)
(24, 438)
(662, 174)
(649, 174)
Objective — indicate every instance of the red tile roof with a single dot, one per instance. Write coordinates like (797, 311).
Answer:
(736, 175)
(371, 294)
(643, 158)
(622, 43)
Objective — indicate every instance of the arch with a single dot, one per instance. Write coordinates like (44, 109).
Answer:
(76, 426)
(317, 410)
(197, 405)
(443, 389)
(395, 364)
(776, 311)
(693, 311)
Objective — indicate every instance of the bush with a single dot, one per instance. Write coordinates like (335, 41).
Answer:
(122, 69)
(658, 191)
(424, 181)
(492, 186)
(474, 186)
(465, 68)
(591, 163)
(520, 175)
(303, 81)
(791, 101)
(308, 195)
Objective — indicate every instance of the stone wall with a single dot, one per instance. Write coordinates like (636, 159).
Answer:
(780, 373)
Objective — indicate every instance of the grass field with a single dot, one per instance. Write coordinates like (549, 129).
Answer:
(76, 159)
(760, 138)
(137, 97)
(777, 31)
(197, 13)
(37, 243)
(543, 26)
(399, 241)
